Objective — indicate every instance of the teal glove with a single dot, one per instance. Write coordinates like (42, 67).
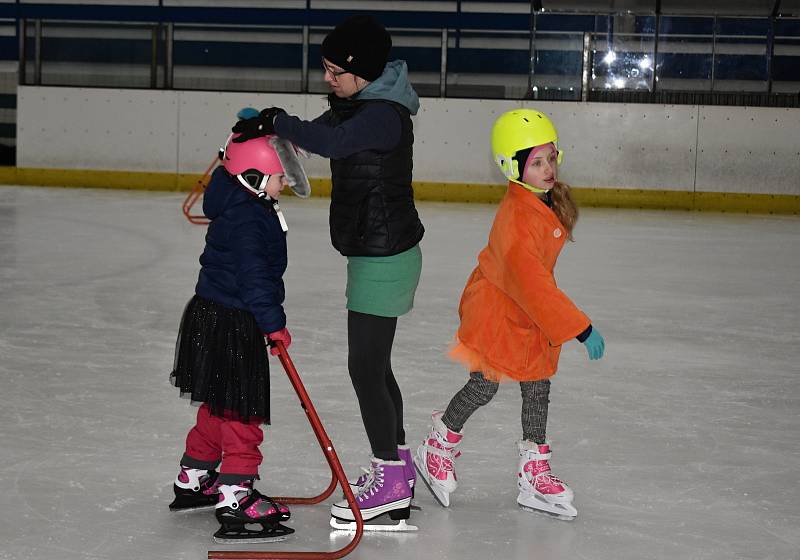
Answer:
(595, 345)
(247, 113)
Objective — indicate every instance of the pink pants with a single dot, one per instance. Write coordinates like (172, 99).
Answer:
(235, 444)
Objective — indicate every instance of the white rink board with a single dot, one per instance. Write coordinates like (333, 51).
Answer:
(90, 128)
(626, 146)
(637, 146)
(452, 140)
(756, 147)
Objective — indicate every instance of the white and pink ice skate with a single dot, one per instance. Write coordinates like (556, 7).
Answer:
(539, 489)
(435, 460)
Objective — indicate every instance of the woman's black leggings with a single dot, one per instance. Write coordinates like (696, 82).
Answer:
(369, 344)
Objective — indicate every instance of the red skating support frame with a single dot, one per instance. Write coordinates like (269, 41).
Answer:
(337, 476)
(195, 194)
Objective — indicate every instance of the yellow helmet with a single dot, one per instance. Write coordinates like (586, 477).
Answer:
(517, 130)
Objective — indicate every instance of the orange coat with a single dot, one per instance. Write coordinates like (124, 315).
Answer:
(514, 318)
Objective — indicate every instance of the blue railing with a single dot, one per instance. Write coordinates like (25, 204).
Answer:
(464, 53)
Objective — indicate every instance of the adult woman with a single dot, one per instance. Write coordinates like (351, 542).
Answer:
(368, 135)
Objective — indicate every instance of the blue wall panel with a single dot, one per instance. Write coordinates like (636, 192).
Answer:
(490, 61)
(95, 50)
(9, 48)
(215, 53)
(686, 66)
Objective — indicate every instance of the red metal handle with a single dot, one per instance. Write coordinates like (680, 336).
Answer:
(195, 194)
(336, 470)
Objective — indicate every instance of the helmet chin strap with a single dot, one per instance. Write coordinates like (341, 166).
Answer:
(510, 168)
(261, 192)
(281, 219)
(531, 188)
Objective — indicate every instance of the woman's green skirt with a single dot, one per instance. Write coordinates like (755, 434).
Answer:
(383, 286)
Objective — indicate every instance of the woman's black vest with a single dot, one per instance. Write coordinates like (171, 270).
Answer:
(372, 202)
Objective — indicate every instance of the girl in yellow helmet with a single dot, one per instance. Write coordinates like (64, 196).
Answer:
(514, 318)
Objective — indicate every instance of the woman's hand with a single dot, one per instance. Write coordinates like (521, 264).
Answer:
(257, 126)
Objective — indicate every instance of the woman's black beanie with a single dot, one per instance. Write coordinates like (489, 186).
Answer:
(360, 45)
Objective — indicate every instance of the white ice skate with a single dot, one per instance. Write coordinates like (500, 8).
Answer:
(540, 490)
(435, 460)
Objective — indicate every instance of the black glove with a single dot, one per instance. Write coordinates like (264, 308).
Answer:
(256, 127)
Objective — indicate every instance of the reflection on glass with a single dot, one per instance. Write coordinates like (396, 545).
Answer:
(627, 64)
(623, 52)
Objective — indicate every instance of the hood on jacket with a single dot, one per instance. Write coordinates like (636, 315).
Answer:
(221, 193)
(393, 85)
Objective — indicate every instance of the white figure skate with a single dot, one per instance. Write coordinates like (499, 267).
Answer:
(435, 460)
(540, 490)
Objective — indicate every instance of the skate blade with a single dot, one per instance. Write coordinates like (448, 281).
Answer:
(442, 497)
(249, 540)
(244, 534)
(350, 526)
(565, 512)
(191, 509)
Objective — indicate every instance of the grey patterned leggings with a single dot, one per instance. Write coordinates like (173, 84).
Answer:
(479, 391)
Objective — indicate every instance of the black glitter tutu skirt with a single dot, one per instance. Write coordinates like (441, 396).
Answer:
(221, 360)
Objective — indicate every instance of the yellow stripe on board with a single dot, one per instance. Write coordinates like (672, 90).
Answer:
(447, 192)
(92, 178)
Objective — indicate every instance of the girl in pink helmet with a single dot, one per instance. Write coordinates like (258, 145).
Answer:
(221, 353)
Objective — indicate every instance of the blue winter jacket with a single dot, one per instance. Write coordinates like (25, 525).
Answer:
(244, 259)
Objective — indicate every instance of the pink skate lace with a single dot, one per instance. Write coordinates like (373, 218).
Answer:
(538, 472)
(439, 466)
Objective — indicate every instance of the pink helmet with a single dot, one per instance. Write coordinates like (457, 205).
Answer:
(257, 154)
(254, 161)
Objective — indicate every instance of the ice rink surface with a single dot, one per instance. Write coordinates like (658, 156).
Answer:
(682, 443)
